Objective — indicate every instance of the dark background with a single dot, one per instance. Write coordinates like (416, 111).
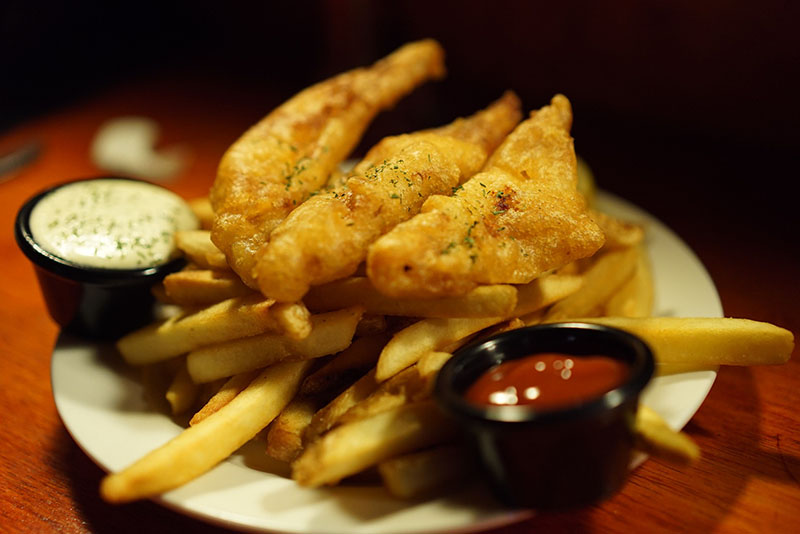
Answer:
(696, 100)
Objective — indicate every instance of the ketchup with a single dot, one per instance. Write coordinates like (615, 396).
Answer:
(548, 380)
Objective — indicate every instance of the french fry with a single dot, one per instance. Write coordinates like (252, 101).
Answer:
(232, 387)
(534, 318)
(619, 233)
(707, 341)
(230, 319)
(293, 318)
(544, 291)
(426, 473)
(200, 447)
(408, 345)
(352, 362)
(505, 326)
(429, 364)
(330, 333)
(203, 287)
(656, 438)
(207, 391)
(203, 211)
(327, 416)
(351, 448)
(635, 297)
(572, 268)
(483, 301)
(371, 325)
(608, 272)
(285, 433)
(197, 246)
(392, 393)
(454, 346)
(182, 392)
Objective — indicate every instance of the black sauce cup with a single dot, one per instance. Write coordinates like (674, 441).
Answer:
(88, 301)
(558, 458)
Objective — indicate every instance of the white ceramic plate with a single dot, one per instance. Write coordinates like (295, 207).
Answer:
(101, 405)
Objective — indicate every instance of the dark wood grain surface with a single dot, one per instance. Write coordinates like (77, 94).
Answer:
(719, 200)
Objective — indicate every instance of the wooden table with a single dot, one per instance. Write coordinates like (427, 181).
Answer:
(748, 428)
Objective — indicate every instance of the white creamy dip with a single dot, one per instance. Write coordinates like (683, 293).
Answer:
(111, 224)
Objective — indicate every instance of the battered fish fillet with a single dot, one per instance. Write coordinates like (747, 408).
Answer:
(292, 151)
(327, 237)
(518, 218)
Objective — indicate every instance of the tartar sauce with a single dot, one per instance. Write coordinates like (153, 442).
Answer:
(111, 223)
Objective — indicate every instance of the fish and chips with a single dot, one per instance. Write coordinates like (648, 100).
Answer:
(318, 306)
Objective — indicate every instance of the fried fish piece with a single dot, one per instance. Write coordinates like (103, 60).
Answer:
(518, 218)
(292, 151)
(327, 237)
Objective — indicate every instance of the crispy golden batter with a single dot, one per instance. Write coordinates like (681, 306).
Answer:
(327, 237)
(518, 218)
(292, 151)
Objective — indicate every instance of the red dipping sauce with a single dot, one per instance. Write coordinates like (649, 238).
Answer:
(548, 381)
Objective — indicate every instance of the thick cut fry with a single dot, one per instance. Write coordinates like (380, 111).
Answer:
(349, 449)
(326, 238)
(326, 417)
(426, 473)
(483, 301)
(351, 363)
(285, 434)
(408, 345)
(199, 448)
(533, 318)
(207, 391)
(395, 392)
(656, 438)
(293, 318)
(330, 333)
(182, 391)
(618, 233)
(371, 325)
(544, 291)
(197, 246)
(635, 297)
(429, 364)
(608, 272)
(707, 341)
(520, 217)
(230, 319)
(203, 287)
(290, 153)
(232, 387)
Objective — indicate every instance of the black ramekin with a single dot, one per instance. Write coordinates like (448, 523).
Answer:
(90, 301)
(550, 459)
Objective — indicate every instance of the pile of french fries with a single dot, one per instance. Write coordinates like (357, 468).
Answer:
(340, 383)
